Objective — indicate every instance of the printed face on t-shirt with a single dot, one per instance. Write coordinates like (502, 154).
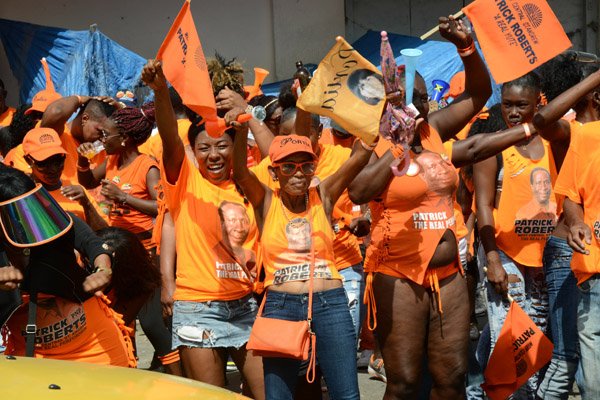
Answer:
(235, 224)
(298, 234)
(541, 186)
(437, 172)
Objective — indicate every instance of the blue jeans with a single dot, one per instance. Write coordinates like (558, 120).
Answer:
(354, 285)
(531, 294)
(336, 344)
(588, 325)
(562, 296)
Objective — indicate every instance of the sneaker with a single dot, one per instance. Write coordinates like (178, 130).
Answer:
(376, 369)
(363, 359)
(231, 367)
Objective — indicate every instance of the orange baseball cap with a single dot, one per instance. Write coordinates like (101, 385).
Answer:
(285, 145)
(42, 143)
(42, 99)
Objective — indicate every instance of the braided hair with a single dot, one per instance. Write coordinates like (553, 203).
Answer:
(136, 123)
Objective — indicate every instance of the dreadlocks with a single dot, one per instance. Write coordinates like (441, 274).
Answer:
(137, 123)
(226, 74)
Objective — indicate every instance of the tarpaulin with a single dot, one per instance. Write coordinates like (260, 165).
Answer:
(81, 62)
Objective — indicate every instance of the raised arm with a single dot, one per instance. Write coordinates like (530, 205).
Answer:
(58, 112)
(484, 178)
(173, 150)
(228, 99)
(333, 186)
(450, 120)
(480, 147)
(372, 180)
(548, 120)
(254, 191)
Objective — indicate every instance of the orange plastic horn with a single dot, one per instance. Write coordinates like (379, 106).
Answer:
(49, 83)
(259, 76)
(217, 127)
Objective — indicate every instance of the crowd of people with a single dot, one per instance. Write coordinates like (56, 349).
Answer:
(113, 212)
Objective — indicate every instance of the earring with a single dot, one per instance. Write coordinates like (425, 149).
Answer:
(123, 143)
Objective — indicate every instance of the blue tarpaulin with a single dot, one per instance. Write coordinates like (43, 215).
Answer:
(81, 62)
(439, 60)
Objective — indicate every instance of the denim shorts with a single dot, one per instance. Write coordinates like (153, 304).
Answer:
(213, 324)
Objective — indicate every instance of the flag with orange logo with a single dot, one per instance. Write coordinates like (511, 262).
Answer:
(520, 351)
(516, 36)
(184, 64)
(348, 89)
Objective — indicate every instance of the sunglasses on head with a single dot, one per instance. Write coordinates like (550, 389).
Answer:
(289, 168)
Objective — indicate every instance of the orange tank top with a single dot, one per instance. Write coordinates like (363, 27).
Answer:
(526, 214)
(131, 180)
(413, 213)
(287, 238)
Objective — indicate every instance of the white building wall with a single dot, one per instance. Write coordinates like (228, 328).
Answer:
(272, 34)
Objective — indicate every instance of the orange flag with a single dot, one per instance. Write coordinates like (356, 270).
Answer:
(520, 351)
(347, 88)
(516, 36)
(185, 67)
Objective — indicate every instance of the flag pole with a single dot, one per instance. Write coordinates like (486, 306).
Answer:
(435, 28)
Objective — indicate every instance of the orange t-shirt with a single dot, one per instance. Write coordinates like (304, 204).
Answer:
(331, 158)
(413, 213)
(287, 238)
(153, 146)
(526, 214)
(131, 180)
(578, 180)
(89, 332)
(7, 116)
(73, 205)
(202, 236)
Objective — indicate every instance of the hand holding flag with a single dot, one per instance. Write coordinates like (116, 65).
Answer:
(184, 65)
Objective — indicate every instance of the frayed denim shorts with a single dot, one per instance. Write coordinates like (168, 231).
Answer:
(213, 324)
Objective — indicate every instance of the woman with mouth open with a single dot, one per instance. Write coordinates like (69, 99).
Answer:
(213, 308)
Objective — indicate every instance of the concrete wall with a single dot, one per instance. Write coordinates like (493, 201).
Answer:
(272, 34)
(415, 17)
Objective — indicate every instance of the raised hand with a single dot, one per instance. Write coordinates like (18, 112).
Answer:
(454, 31)
(152, 75)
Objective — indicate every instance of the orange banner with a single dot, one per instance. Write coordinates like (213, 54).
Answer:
(520, 351)
(516, 36)
(347, 88)
(184, 64)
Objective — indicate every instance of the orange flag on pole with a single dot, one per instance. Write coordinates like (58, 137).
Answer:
(185, 67)
(516, 36)
(347, 88)
(520, 351)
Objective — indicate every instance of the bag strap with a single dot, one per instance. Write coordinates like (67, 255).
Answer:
(312, 363)
(31, 327)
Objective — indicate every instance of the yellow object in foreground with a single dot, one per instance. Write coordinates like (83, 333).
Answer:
(35, 378)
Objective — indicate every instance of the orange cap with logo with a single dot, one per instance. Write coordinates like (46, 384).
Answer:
(44, 97)
(41, 143)
(285, 145)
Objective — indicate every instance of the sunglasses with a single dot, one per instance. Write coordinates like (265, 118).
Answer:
(53, 162)
(289, 168)
(105, 136)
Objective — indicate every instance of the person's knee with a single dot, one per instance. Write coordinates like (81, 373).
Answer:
(450, 374)
(403, 384)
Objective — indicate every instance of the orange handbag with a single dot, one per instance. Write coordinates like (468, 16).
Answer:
(272, 337)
